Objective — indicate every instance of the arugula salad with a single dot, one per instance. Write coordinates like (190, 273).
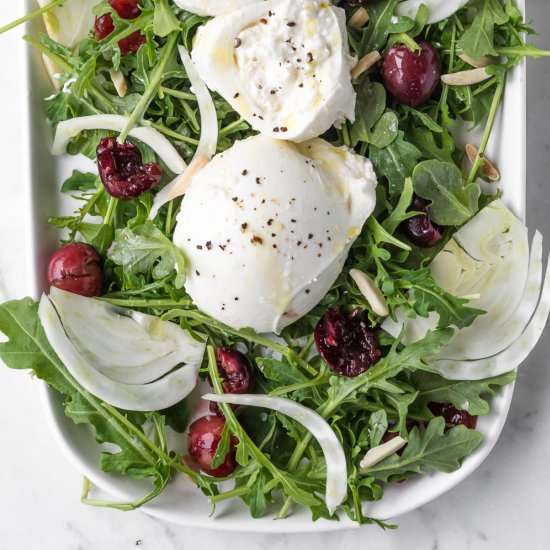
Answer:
(281, 223)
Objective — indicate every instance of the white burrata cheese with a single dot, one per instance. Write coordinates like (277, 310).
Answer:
(212, 7)
(283, 65)
(267, 225)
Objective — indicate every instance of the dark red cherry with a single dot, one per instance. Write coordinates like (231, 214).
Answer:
(202, 442)
(75, 268)
(452, 415)
(122, 171)
(236, 371)
(104, 26)
(420, 230)
(411, 77)
(345, 342)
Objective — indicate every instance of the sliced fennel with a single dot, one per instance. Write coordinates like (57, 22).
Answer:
(335, 458)
(512, 356)
(439, 9)
(488, 259)
(116, 123)
(70, 23)
(110, 367)
(208, 138)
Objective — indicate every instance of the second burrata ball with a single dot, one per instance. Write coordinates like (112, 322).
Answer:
(266, 228)
(283, 65)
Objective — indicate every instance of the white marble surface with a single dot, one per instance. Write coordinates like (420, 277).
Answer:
(504, 505)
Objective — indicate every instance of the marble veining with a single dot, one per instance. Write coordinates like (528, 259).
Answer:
(504, 505)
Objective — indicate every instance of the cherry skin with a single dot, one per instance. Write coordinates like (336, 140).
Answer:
(411, 77)
(122, 171)
(452, 415)
(75, 268)
(420, 230)
(104, 26)
(202, 442)
(345, 343)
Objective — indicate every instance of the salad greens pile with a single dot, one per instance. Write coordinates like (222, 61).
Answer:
(413, 152)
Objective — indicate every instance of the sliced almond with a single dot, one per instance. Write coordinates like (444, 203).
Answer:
(359, 19)
(466, 78)
(477, 63)
(365, 63)
(119, 82)
(53, 71)
(487, 167)
(183, 181)
(371, 292)
(379, 453)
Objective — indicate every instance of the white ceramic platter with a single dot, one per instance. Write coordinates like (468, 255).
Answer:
(181, 502)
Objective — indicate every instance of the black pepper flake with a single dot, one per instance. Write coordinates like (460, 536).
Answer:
(198, 274)
(310, 236)
(309, 57)
(256, 240)
(236, 95)
(238, 42)
(258, 181)
(236, 298)
(222, 246)
(209, 245)
(293, 221)
(301, 85)
(273, 92)
(263, 201)
(291, 24)
(299, 243)
(199, 246)
(245, 172)
(276, 129)
(235, 199)
(319, 255)
(244, 226)
(270, 221)
(274, 246)
(263, 21)
(284, 129)
(308, 291)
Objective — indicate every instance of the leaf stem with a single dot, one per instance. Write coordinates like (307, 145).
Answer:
(497, 98)
(236, 492)
(32, 15)
(180, 95)
(43, 49)
(152, 88)
(153, 304)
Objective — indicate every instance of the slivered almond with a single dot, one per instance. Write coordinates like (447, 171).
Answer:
(477, 63)
(487, 167)
(119, 82)
(359, 19)
(183, 181)
(370, 291)
(379, 453)
(365, 63)
(466, 78)
(52, 69)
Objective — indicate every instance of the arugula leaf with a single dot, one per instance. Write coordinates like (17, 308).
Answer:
(432, 449)
(164, 21)
(382, 23)
(145, 249)
(369, 107)
(463, 394)
(452, 200)
(395, 162)
(79, 181)
(478, 40)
